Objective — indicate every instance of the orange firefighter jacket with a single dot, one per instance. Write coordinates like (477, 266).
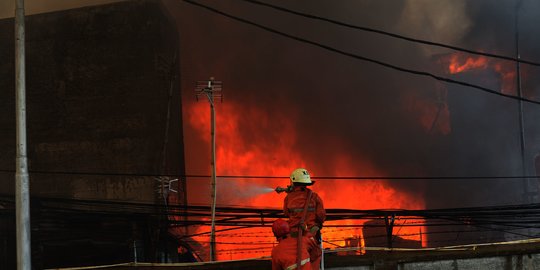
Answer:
(293, 207)
(284, 254)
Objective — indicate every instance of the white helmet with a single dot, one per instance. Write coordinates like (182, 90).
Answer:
(301, 176)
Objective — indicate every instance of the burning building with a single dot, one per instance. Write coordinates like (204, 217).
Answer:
(290, 104)
(377, 138)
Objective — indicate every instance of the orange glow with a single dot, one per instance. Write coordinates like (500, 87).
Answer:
(459, 63)
(508, 77)
(252, 141)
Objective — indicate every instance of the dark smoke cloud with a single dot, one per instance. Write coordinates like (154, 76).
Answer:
(346, 105)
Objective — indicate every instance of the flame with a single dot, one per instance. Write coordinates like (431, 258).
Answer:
(253, 141)
(460, 62)
(457, 64)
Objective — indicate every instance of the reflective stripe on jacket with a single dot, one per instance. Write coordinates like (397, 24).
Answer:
(284, 254)
(303, 262)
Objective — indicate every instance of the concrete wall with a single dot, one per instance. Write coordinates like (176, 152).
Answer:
(352, 268)
(511, 262)
(523, 255)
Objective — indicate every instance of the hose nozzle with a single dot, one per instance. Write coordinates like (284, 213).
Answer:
(288, 189)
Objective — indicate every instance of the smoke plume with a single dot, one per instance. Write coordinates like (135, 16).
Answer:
(351, 117)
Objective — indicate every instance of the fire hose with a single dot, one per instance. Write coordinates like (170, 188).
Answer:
(301, 226)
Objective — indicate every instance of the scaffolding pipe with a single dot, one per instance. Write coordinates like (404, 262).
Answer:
(22, 198)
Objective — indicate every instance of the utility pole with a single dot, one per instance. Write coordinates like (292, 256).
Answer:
(527, 193)
(211, 89)
(22, 197)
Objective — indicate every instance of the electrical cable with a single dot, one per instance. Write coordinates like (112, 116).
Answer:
(236, 243)
(235, 177)
(363, 58)
(500, 230)
(506, 218)
(385, 33)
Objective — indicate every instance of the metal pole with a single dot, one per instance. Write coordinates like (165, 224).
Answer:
(211, 89)
(22, 198)
(322, 253)
(213, 134)
(527, 193)
(134, 251)
(389, 222)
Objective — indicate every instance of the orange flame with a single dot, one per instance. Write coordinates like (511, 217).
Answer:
(457, 65)
(251, 141)
(459, 62)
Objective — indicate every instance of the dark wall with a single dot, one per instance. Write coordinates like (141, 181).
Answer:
(104, 118)
(101, 101)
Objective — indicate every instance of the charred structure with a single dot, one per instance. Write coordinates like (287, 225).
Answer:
(104, 124)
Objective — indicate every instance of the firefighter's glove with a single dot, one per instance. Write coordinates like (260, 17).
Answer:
(314, 229)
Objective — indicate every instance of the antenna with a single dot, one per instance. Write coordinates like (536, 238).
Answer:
(211, 89)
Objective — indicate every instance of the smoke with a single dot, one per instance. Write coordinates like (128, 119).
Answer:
(378, 121)
(441, 21)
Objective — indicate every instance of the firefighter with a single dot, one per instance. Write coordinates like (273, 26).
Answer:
(284, 253)
(294, 203)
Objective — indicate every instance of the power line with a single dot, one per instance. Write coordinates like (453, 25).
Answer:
(367, 177)
(368, 29)
(505, 219)
(236, 243)
(233, 177)
(363, 58)
(500, 214)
